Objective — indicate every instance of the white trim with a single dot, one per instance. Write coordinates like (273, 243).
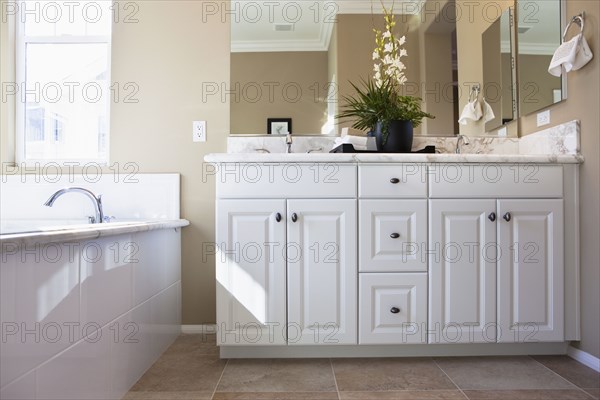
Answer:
(208, 329)
(585, 358)
(403, 350)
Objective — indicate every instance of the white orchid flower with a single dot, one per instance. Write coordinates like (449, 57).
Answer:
(402, 40)
(375, 55)
(389, 47)
(387, 34)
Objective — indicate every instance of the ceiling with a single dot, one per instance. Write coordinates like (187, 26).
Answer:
(309, 23)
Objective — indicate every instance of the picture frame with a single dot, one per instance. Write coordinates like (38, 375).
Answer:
(279, 126)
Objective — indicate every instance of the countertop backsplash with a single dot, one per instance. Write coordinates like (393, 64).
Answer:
(558, 140)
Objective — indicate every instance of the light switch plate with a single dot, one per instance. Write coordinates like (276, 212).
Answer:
(502, 132)
(543, 118)
(199, 131)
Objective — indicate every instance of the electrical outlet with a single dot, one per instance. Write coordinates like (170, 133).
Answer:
(543, 118)
(502, 132)
(199, 131)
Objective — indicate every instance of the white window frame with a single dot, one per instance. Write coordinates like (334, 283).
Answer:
(20, 67)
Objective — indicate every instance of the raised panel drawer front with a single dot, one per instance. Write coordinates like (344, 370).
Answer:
(392, 235)
(393, 308)
(291, 180)
(495, 181)
(393, 181)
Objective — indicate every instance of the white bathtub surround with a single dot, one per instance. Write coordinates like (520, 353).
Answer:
(556, 141)
(124, 196)
(86, 309)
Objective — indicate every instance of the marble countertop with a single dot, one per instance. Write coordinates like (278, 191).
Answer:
(392, 158)
(84, 232)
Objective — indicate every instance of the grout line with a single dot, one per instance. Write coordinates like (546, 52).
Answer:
(337, 390)
(220, 377)
(448, 376)
(562, 377)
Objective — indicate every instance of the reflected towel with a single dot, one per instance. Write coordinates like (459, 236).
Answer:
(488, 112)
(471, 111)
(570, 56)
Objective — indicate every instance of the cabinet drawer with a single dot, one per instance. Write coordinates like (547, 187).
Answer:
(495, 181)
(393, 308)
(392, 235)
(291, 180)
(387, 181)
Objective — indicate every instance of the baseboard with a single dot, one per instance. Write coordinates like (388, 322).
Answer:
(584, 358)
(203, 329)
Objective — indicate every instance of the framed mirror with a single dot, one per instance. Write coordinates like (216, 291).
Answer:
(539, 34)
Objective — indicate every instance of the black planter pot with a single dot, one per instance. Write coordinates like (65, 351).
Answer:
(399, 138)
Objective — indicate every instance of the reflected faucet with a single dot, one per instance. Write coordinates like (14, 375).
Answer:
(288, 141)
(97, 200)
(464, 139)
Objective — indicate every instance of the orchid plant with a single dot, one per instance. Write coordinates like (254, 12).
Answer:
(379, 100)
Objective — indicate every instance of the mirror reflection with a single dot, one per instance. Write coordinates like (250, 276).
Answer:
(539, 35)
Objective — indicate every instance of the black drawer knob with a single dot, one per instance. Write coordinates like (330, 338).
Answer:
(294, 217)
(278, 217)
(507, 217)
(395, 181)
(492, 217)
(395, 235)
(395, 310)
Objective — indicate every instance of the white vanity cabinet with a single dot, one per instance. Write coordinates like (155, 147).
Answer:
(286, 267)
(311, 256)
(497, 264)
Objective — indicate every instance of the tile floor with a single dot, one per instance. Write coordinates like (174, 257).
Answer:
(191, 370)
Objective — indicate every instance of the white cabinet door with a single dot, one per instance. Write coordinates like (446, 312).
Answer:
(250, 269)
(322, 272)
(531, 271)
(462, 271)
(393, 235)
(393, 308)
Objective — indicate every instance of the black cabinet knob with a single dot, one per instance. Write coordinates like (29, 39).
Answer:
(278, 217)
(492, 217)
(395, 310)
(507, 217)
(294, 217)
(395, 181)
(395, 235)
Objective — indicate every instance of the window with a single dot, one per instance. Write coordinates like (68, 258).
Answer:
(63, 67)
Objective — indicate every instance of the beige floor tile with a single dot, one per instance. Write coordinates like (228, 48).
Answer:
(276, 396)
(538, 394)
(168, 396)
(277, 375)
(385, 374)
(571, 370)
(500, 373)
(182, 373)
(594, 392)
(197, 344)
(404, 395)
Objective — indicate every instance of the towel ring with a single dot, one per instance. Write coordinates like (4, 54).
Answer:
(579, 20)
(474, 89)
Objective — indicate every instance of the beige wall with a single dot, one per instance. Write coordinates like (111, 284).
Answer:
(7, 74)
(300, 94)
(170, 53)
(583, 104)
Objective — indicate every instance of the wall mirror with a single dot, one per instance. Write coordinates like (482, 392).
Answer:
(499, 70)
(539, 34)
(295, 59)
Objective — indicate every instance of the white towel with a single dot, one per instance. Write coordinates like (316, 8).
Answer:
(488, 112)
(570, 56)
(471, 111)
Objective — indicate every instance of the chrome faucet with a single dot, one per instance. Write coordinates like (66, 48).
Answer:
(462, 138)
(97, 200)
(288, 141)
